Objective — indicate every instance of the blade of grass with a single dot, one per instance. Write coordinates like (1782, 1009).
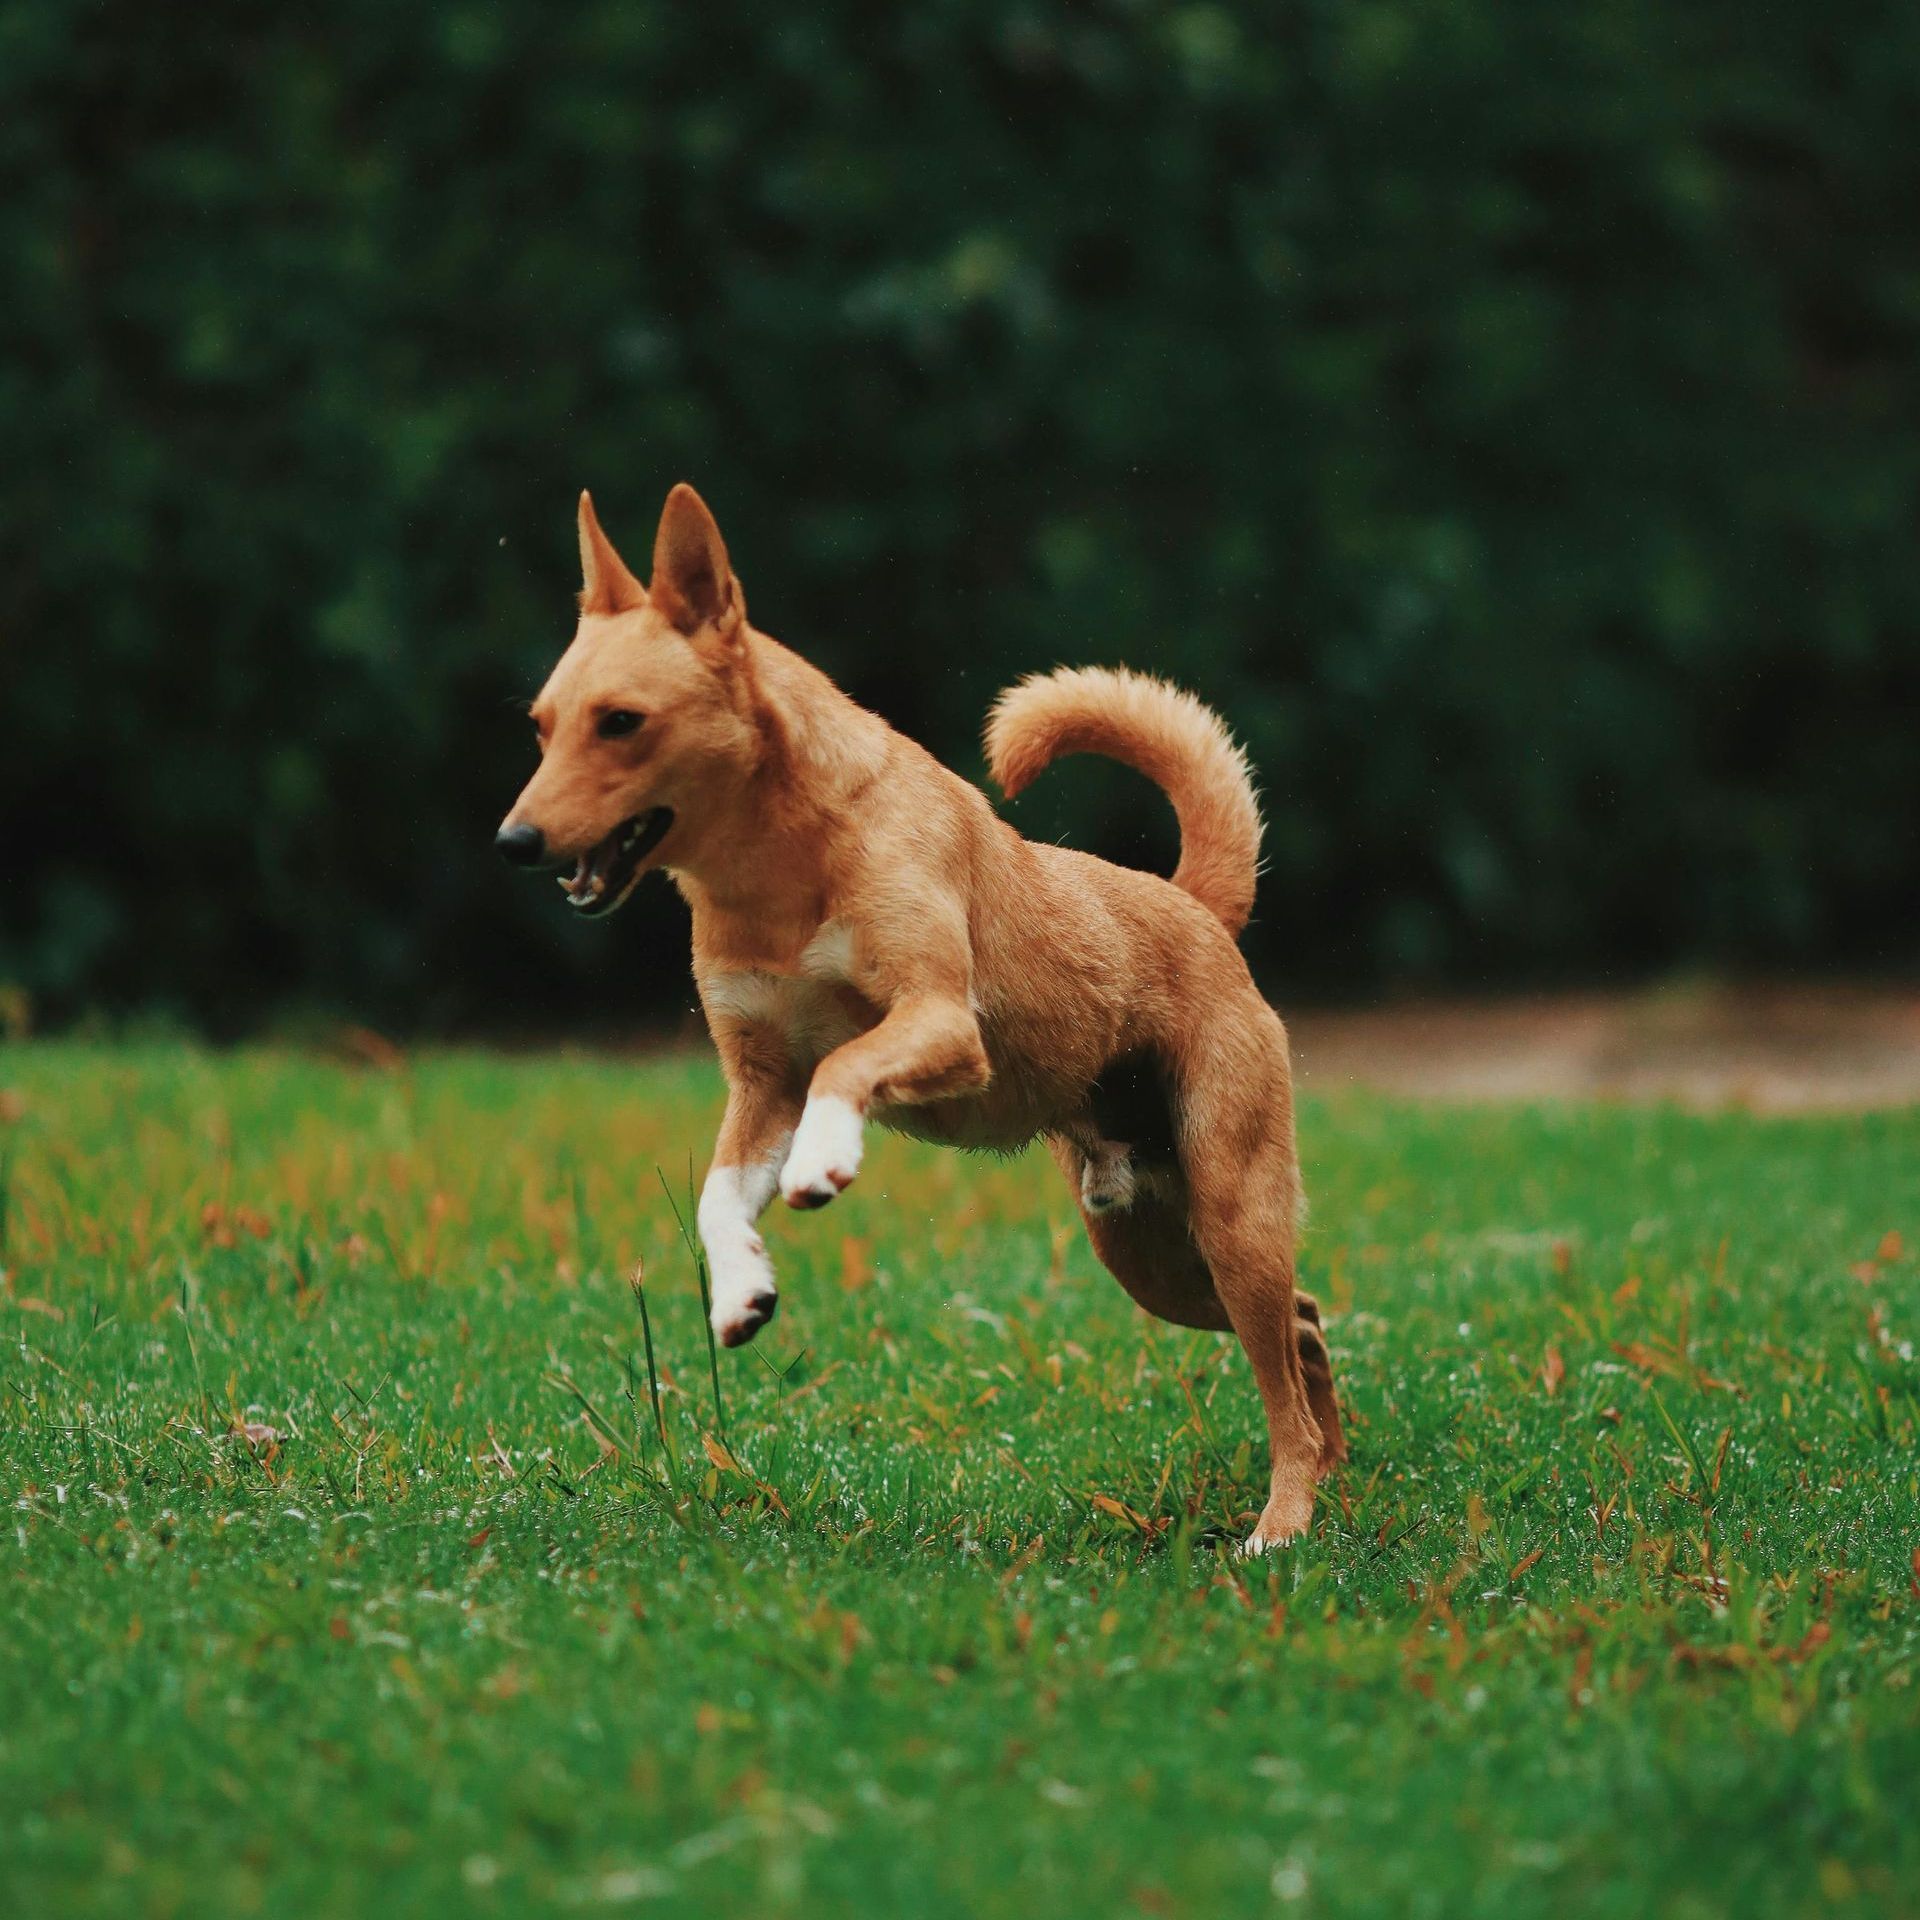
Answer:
(706, 1301)
(193, 1353)
(1685, 1439)
(584, 1236)
(637, 1281)
(567, 1384)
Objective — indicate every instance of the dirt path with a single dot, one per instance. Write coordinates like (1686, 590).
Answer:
(1776, 1049)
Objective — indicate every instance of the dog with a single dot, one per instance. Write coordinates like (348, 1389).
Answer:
(871, 941)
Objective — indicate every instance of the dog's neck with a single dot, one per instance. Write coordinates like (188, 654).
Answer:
(765, 846)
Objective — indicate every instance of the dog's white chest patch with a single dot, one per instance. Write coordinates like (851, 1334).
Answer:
(808, 1011)
(829, 954)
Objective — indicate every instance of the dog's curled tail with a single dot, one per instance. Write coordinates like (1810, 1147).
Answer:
(1180, 745)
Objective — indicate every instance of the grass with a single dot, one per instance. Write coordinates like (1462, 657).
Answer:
(1616, 1611)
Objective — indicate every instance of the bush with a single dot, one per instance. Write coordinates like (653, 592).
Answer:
(1505, 414)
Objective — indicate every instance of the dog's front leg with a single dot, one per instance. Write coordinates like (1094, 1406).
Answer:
(927, 1048)
(754, 1138)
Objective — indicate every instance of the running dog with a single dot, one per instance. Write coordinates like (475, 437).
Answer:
(872, 942)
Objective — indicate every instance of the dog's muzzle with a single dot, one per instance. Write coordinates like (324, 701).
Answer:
(521, 846)
(605, 874)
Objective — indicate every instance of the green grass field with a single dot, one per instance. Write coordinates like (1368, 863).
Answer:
(1615, 1611)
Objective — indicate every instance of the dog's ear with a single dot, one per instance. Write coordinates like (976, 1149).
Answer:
(693, 583)
(606, 584)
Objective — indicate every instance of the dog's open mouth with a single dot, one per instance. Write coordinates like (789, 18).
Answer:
(605, 873)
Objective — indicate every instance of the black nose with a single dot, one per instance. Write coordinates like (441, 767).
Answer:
(523, 846)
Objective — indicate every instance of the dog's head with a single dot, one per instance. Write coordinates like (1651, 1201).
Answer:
(645, 729)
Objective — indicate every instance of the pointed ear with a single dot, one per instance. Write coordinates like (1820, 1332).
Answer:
(693, 583)
(606, 584)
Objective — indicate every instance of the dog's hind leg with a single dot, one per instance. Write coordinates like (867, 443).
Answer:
(1149, 1248)
(1316, 1367)
(1235, 1115)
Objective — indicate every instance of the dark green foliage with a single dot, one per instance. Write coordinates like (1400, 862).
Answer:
(1507, 414)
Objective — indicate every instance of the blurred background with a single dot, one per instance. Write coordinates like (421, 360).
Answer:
(1508, 415)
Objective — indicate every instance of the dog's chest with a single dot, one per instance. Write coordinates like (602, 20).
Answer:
(813, 1009)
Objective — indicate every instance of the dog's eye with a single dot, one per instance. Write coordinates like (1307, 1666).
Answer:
(619, 723)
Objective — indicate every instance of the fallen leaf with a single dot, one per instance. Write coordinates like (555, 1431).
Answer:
(1816, 1637)
(1553, 1372)
(716, 1451)
(856, 1269)
(1636, 1353)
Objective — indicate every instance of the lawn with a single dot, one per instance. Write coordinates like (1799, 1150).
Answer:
(350, 1569)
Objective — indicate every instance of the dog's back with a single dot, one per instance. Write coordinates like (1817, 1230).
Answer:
(1075, 962)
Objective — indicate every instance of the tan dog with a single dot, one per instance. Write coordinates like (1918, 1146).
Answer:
(872, 942)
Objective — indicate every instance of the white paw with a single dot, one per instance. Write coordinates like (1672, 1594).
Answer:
(825, 1155)
(740, 1276)
(744, 1293)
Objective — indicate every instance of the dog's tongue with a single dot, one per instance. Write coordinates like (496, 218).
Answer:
(589, 876)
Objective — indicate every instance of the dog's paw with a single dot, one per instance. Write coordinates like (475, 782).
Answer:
(741, 1279)
(1286, 1518)
(825, 1154)
(738, 1324)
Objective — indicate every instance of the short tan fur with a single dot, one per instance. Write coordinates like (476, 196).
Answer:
(872, 942)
